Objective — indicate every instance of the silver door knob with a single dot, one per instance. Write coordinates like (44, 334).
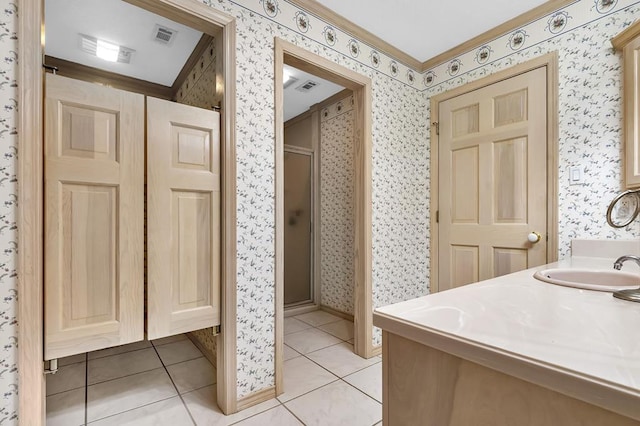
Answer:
(533, 237)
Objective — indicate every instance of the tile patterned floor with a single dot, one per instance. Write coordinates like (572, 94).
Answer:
(169, 382)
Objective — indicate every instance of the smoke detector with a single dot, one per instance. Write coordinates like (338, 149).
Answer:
(307, 86)
(164, 35)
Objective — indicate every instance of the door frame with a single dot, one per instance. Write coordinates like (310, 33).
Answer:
(548, 61)
(31, 379)
(315, 223)
(361, 86)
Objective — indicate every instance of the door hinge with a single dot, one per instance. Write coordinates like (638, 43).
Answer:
(51, 366)
(50, 68)
(437, 216)
(216, 330)
(437, 126)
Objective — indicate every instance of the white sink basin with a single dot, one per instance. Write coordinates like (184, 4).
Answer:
(590, 279)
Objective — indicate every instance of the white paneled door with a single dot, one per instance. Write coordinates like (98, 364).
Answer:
(492, 180)
(94, 217)
(183, 218)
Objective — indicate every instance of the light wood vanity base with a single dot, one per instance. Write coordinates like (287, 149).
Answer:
(425, 386)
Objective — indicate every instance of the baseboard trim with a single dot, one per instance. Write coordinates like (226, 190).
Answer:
(337, 313)
(299, 310)
(377, 350)
(256, 398)
(208, 353)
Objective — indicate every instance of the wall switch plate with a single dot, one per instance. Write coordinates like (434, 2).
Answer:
(575, 175)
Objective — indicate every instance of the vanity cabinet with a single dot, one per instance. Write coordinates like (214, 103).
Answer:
(628, 42)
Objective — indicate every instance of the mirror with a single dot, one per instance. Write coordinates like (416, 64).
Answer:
(624, 209)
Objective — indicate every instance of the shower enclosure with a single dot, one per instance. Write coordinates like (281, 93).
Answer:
(298, 234)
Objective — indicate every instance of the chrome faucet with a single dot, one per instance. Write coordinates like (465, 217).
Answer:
(617, 265)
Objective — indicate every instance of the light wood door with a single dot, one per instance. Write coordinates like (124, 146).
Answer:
(94, 224)
(183, 218)
(493, 187)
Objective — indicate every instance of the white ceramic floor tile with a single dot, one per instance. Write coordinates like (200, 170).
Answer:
(368, 381)
(66, 409)
(121, 365)
(202, 406)
(350, 341)
(180, 351)
(120, 349)
(336, 404)
(170, 412)
(116, 396)
(67, 378)
(292, 325)
(278, 416)
(301, 376)
(170, 339)
(194, 374)
(340, 359)
(342, 329)
(317, 318)
(310, 340)
(73, 359)
(290, 353)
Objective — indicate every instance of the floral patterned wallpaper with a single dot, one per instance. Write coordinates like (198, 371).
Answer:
(8, 195)
(400, 161)
(590, 121)
(336, 206)
(590, 107)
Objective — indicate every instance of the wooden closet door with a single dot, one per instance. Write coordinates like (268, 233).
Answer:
(94, 224)
(183, 218)
(493, 180)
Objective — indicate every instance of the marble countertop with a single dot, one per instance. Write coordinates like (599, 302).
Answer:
(582, 343)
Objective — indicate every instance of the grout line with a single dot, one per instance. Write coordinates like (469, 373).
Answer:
(309, 391)
(256, 414)
(293, 414)
(130, 409)
(116, 354)
(175, 387)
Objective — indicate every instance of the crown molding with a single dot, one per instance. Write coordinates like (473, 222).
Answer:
(505, 27)
(357, 32)
(360, 33)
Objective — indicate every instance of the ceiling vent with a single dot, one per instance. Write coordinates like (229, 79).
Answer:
(307, 86)
(164, 35)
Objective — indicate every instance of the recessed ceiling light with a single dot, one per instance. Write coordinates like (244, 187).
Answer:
(105, 50)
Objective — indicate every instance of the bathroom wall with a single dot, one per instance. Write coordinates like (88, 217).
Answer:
(400, 161)
(590, 104)
(8, 231)
(590, 108)
(199, 88)
(337, 206)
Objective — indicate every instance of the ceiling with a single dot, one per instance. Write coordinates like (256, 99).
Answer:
(120, 23)
(424, 29)
(297, 102)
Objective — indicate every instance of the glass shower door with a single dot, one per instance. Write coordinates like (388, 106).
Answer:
(298, 207)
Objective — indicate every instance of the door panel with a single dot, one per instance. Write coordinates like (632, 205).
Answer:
(94, 225)
(183, 218)
(297, 233)
(492, 183)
